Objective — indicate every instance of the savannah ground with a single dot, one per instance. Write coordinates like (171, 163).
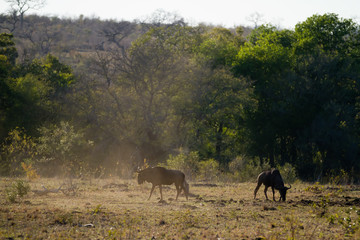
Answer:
(119, 209)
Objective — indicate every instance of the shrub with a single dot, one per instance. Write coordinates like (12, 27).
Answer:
(338, 177)
(60, 147)
(31, 173)
(18, 189)
(185, 162)
(208, 170)
(18, 147)
(288, 172)
(247, 169)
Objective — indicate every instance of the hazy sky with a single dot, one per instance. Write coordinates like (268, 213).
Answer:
(229, 13)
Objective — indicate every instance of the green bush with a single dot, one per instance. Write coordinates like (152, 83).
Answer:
(208, 170)
(18, 189)
(185, 162)
(247, 169)
(17, 148)
(288, 172)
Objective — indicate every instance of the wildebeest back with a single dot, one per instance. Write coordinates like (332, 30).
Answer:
(160, 175)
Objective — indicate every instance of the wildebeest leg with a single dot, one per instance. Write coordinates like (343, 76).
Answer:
(265, 190)
(178, 190)
(185, 186)
(256, 189)
(273, 190)
(152, 189)
(160, 192)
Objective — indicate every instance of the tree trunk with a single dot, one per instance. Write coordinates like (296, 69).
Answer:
(218, 144)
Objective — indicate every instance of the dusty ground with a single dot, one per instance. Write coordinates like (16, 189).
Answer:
(119, 209)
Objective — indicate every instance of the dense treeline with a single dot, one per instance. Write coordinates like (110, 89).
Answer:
(92, 97)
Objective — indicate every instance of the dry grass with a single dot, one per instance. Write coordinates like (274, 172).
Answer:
(118, 209)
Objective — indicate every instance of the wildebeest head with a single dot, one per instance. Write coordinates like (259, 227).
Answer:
(141, 176)
(140, 179)
(283, 193)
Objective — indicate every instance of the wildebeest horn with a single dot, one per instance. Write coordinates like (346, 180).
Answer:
(289, 185)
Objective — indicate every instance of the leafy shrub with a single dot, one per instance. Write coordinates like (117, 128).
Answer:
(246, 169)
(288, 172)
(18, 189)
(185, 162)
(208, 170)
(338, 177)
(31, 173)
(62, 145)
(18, 147)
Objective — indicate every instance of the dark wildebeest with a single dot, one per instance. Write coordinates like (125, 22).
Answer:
(274, 180)
(159, 176)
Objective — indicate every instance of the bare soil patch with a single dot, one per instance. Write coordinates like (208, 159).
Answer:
(119, 209)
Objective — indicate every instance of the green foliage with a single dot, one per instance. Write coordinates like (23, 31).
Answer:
(208, 170)
(17, 190)
(185, 162)
(193, 167)
(328, 33)
(7, 48)
(218, 103)
(58, 74)
(288, 172)
(316, 188)
(17, 149)
(247, 169)
(96, 210)
(8, 54)
(30, 171)
(292, 70)
(288, 96)
(33, 95)
(61, 145)
(338, 177)
(219, 47)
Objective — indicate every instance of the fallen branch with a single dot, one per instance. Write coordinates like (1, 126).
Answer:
(46, 191)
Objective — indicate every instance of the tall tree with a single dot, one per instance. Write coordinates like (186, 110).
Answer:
(216, 99)
(8, 55)
(138, 87)
(22, 6)
(306, 84)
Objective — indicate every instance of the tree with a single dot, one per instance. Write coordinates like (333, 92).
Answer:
(36, 93)
(8, 55)
(328, 60)
(266, 59)
(132, 92)
(256, 18)
(22, 6)
(306, 85)
(215, 102)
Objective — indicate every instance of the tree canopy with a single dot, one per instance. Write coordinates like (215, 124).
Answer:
(150, 90)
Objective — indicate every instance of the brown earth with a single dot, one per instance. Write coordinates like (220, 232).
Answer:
(119, 209)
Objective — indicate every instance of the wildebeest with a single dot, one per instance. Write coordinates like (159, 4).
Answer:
(274, 180)
(159, 176)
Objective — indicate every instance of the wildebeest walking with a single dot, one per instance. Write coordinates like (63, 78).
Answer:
(159, 176)
(274, 180)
